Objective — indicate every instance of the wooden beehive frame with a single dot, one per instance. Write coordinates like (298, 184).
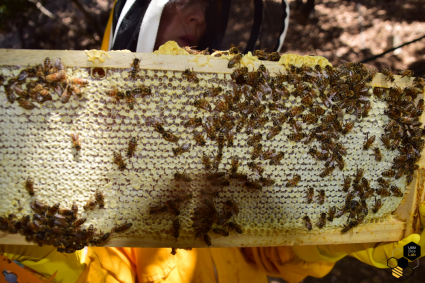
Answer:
(404, 222)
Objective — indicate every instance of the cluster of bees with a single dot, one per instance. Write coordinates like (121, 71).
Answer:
(342, 90)
(131, 95)
(59, 227)
(325, 95)
(33, 84)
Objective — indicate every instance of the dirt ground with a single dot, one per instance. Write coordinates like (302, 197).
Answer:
(338, 30)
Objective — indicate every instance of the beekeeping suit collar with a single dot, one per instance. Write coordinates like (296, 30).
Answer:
(249, 24)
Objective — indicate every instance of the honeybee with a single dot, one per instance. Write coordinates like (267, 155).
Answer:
(47, 65)
(419, 83)
(76, 143)
(310, 195)
(135, 67)
(308, 224)
(386, 141)
(238, 176)
(233, 226)
(181, 149)
(279, 92)
(230, 139)
(279, 120)
(388, 74)
(347, 128)
(74, 209)
(253, 185)
(207, 240)
(252, 78)
(378, 205)
(119, 161)
(347, 184)
(91, 204)
(276, 159)
(216, 175)
(321, 198)
(331, 213)
(79, 222)
(235, 60)
(264, 72)
(347, 228)
(267, 181)
(190, 76)
(193, 122)
(183, 198)
(66, 95)
(39, 207)
(234, 164)
(322, 220)
(78, 81)
(368, 142)
(309, 118)
(206, 161)
(388, 173)
(59, 76)
(122, 228)
(25, 103)
(104, 238)
(327, 171)
(383, 183)
(239, 73)
(202, 104)
(169, 137)
(182, 177)
(420, 108)
(406, 73)
(222, 232)
(295, 111)
(377, 153)
(359, 175)
(367, 194)
(115, 93)
(173, 206)
(396, 191)
(274, 131)
(232, 206)
(29, 185)
(100, 198)
(257, 151)
(52, 210)
(268, 154)
(158, 209)
(378, 91)
(296, 137)
(274, 56)
(129, 99)
(198, 138)
(294, 181)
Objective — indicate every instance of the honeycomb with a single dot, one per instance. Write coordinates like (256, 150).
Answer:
(36, 143)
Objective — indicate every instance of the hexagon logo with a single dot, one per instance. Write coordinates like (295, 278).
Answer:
(397, 272)
(412, 251)
(392, 262)
(407, 272)
(403, 262)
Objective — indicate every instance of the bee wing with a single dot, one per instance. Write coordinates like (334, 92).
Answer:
(186, 147)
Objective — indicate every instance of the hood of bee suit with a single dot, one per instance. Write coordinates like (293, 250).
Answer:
(249, 24)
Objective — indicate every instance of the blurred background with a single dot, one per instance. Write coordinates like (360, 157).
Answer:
(339, 30)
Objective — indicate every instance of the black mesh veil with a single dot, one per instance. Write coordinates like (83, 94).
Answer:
(249, 24)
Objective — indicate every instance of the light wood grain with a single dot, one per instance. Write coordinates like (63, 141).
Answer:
(153, 61)
(403, 225)
(388, 231)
